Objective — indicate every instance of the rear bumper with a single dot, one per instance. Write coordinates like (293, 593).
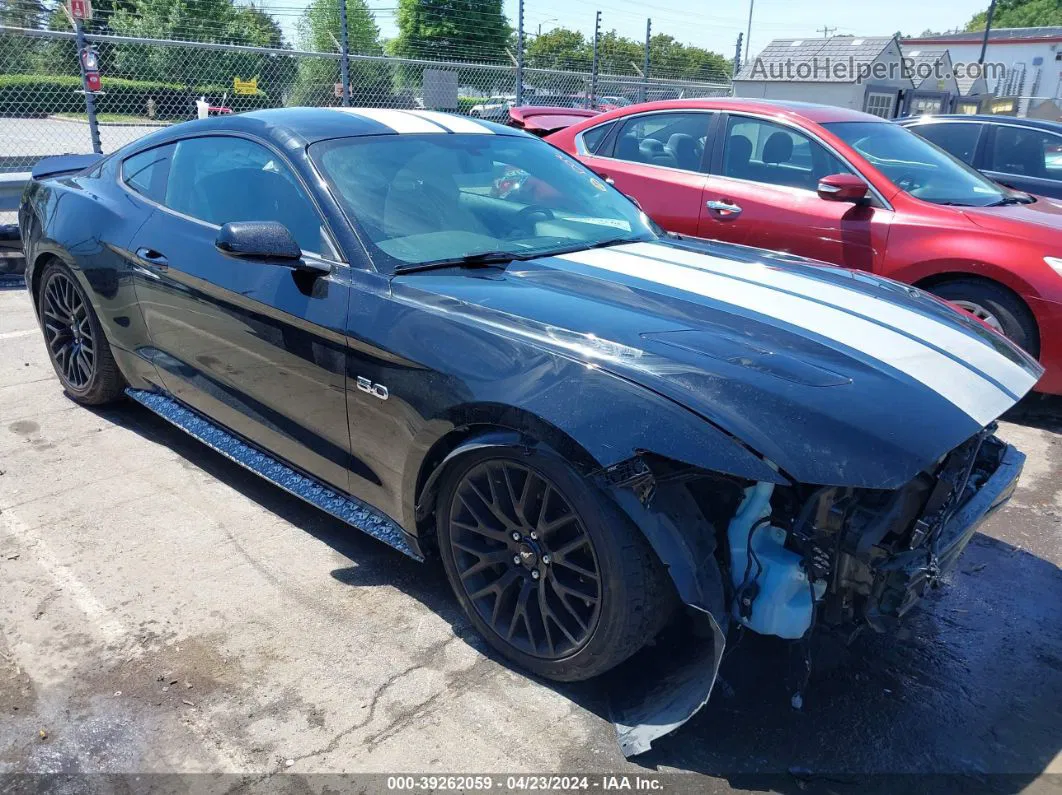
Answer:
(1049, 319)
(903, 581)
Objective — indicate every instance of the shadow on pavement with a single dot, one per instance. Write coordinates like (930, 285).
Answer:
(1038, 411)
(969, 690)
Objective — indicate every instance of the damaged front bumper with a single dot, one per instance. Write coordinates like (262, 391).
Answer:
(788, 560)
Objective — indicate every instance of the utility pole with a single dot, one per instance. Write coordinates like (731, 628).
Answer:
(344, 52)
(988, 28)
(737, 55)
(520, 54)
(826, 32)
(645, 70)
(593, 72)
(748, 33)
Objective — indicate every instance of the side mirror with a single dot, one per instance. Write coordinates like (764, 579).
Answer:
(842, 188)
(258, 239)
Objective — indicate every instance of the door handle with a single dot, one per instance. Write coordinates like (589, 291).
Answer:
(723, 210)
(607, 178)
(153, 258)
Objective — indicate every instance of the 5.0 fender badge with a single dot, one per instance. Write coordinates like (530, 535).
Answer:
(376, 390)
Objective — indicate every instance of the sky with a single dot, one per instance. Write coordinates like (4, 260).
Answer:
(715, 25)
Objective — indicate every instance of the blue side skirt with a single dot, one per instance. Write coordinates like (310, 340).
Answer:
(345, 508)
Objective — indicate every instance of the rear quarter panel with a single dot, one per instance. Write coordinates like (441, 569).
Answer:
(86, 222)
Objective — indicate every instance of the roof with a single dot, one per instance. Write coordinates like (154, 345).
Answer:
(777, 61)
(996, 36)
(806, 111)
(1038, 124)
(921, 63)
(303, 126)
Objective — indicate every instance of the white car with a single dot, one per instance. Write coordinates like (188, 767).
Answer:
(494, 109)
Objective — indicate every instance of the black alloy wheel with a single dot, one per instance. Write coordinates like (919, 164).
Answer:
(68, 331)
(524, 559)
(77, 347)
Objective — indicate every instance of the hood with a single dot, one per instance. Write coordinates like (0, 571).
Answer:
(1014, 218)
(836, 376)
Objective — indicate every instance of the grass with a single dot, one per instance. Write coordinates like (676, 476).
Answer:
(114, 118)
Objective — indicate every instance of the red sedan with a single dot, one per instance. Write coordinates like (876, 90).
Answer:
(843, 187)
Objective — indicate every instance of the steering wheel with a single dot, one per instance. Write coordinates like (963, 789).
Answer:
(522, 220)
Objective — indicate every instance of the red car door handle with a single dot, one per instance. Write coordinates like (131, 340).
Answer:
(724, 211)
(606, 177)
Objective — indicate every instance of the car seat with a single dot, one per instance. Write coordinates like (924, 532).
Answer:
(738, 155)
(684, 150)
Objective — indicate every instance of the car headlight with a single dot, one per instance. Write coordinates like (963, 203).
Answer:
(1055, 263)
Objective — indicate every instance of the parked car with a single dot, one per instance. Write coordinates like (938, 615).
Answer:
(843, 187)
(590, 422)
(494, 109)
(1024, 154)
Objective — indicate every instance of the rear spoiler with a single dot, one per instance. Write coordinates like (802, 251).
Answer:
(63, 164)
(544, 120)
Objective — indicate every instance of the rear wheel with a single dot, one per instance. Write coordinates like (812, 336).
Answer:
(997, 306)
(76, 345)
(550, 572)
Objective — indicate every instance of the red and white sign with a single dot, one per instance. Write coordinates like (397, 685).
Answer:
(81, 9)
(92, 81)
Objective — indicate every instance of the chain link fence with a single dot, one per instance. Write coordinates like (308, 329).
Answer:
(148, 83)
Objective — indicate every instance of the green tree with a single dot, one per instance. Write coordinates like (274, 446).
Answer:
(459, 30)
(560, 48)
(319, 31)
(1020, 14)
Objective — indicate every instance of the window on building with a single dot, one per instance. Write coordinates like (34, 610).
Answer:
(880, 103)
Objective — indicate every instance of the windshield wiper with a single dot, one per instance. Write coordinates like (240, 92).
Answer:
(1020, 199)
(614, 241)
(477, 259)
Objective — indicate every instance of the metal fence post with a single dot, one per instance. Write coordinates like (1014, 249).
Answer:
(90, 98)
(594, 64)
(520, 54)
(645, 70)
(737, 57)
(344, 53)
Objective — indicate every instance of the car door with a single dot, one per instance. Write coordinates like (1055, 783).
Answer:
(658, 159)
(762, 192)
(1025, 158)
(256, 346)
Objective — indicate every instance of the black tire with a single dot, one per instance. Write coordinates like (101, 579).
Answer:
(632, 597)
(82, 359)
(1013, 316)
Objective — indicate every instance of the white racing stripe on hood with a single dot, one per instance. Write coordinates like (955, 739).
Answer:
(977, 397)
(970, 350)
(456, 124)
(397, 120)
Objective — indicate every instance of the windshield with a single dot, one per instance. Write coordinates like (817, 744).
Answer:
(917, 166)
(427, 198)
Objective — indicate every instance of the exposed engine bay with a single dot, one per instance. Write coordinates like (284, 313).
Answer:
(793, 560)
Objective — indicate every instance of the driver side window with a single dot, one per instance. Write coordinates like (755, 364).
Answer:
(775, 154)
(218, 179)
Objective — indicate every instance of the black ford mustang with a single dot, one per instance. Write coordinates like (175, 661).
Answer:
(590, 422)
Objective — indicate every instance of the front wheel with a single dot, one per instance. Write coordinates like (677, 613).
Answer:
(76, 344)
(996, 306)
(551, 573)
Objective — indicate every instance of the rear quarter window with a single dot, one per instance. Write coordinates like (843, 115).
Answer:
(146, 172)
(595, 136)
